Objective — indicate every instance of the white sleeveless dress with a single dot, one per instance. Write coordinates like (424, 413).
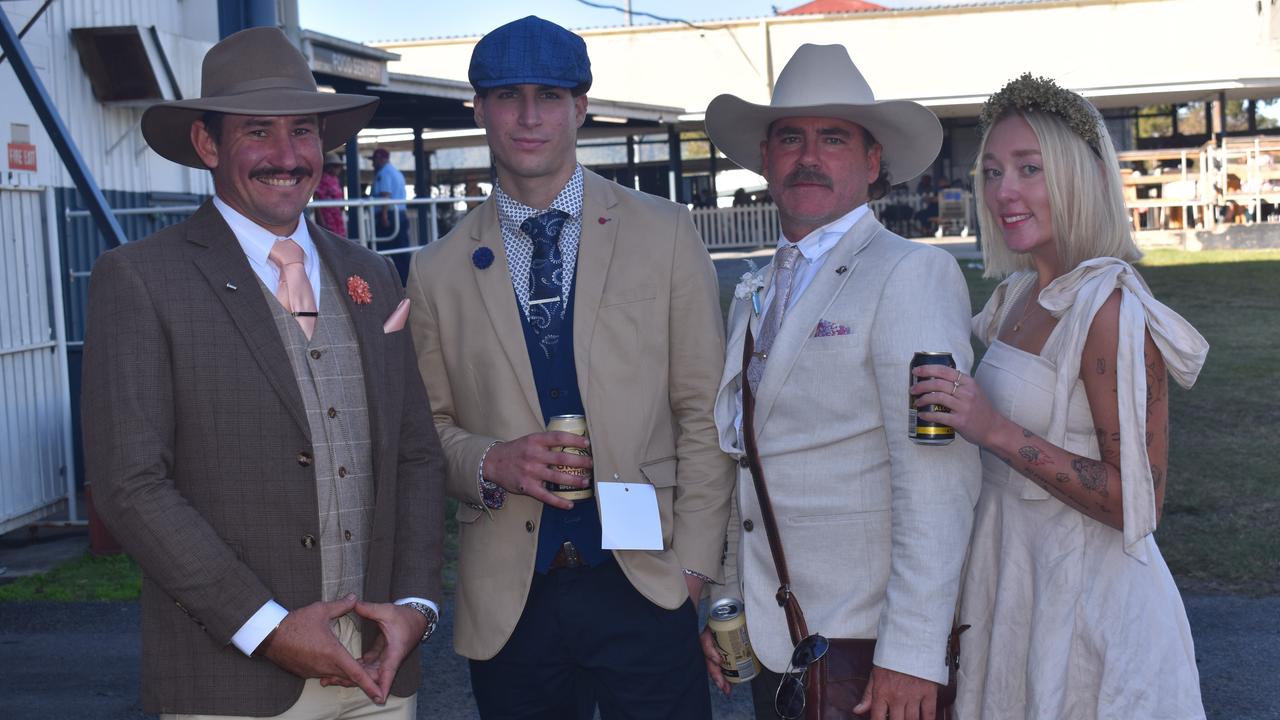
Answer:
(1072, 619)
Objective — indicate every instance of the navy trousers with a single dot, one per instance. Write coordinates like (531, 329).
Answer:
(588, 637)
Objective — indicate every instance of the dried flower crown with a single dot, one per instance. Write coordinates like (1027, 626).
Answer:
(1044, 95)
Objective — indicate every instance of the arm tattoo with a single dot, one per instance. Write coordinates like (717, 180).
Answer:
(1108, 442)
(1101, 366)
(1157, 476)
(1092, 474)
(1027, 433)
(1033, 455)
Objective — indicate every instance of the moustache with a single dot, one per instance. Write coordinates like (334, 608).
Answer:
(807, 177)
(297, 172)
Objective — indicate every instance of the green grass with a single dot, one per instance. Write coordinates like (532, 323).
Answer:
(86, 578)
(1219, 531)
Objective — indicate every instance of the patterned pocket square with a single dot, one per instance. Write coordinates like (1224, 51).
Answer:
(395, 321)
(827, 328)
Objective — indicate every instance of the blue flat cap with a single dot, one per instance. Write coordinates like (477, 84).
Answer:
(530, 51)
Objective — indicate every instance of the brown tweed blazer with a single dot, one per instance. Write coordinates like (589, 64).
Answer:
(198, 448)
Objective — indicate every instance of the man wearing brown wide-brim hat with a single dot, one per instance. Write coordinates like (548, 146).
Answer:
(255, 430)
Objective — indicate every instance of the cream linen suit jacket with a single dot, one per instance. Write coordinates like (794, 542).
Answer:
(874, 527)
(648, 343)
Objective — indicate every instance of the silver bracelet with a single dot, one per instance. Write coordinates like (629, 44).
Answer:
(491, 494)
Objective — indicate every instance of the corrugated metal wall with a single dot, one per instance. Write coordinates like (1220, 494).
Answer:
(33, 415)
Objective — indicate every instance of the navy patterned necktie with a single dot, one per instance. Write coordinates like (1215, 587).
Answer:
(546, 277)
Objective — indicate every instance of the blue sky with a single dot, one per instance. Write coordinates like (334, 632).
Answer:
(402, 19)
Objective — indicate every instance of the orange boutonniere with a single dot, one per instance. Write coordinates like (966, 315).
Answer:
(358, 289)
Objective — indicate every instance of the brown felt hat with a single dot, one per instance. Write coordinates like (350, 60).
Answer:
(254, 72)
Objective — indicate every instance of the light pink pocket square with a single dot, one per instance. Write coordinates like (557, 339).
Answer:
(395, 322)
(827, 328)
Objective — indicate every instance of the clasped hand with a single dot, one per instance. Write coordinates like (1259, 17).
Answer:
(304, 644)
(525, 465)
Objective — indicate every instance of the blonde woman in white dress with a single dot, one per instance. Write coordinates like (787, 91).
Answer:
(1074, 613)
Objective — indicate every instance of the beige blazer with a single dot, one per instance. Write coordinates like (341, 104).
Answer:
(874, 526)
(648, 343)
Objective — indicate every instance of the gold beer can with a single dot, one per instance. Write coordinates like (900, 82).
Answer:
(576, 424)
(728, 626)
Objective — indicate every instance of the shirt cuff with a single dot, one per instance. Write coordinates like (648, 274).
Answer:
(258, 627)
(424, 601)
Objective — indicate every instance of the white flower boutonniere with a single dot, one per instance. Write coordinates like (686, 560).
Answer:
(749, 286)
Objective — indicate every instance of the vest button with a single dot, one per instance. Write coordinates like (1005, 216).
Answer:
(743, 462)
(342, 471)
(333, 413)
(308, 541)
(529, 525)
(315, 354)
(555, 393)
(748, 525)
(304, 459)
(347, 534)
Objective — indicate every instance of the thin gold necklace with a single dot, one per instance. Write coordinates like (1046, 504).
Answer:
(1026, 310)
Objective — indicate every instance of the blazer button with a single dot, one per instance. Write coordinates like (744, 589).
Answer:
(346, 534)
(529, 525)
(342, 471)
(308, 541)
(304, 459)
(748, 525)
(744, 462)
(315, 354)
(333, 413)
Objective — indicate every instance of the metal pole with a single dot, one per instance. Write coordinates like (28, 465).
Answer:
(58, 133)
(675, 165)
(353, 185)
(420, 186)
(60, 338)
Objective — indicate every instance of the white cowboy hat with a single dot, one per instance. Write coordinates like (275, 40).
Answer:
(822, 81)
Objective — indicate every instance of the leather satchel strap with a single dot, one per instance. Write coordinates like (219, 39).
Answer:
(795, 617)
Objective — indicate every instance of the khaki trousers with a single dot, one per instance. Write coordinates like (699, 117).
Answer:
(333, 703)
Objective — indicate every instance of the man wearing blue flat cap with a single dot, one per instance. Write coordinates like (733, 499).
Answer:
(566, 294)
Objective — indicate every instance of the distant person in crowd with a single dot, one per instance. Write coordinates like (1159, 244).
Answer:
(740, 198)
(925, 186)
(872, 525)
(566, 294)
(254, 430)
(332, 219)
(390, 220)
(1073, 611)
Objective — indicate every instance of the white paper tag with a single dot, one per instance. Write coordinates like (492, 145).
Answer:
(629, 516)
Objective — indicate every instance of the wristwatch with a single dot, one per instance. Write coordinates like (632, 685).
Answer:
(427, 612)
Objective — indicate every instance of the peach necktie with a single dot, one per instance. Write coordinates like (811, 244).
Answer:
(294, 291)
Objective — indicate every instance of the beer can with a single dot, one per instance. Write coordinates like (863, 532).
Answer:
(728, 626)
(576, 424)
(924, 432)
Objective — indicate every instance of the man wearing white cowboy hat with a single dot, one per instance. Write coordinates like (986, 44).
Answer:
(873, 527)
(255, 430)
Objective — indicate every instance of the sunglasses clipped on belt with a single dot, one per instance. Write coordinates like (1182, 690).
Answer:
(789, 700)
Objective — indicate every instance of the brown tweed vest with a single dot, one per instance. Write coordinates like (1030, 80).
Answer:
(331, 379)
